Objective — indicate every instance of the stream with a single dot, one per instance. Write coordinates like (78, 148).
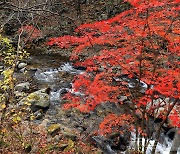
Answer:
(56, 72)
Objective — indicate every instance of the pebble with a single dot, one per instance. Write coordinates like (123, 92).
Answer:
(22, 65)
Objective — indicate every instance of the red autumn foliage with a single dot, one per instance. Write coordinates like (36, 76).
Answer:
(113, 122)
(174, 118)
(143, 43)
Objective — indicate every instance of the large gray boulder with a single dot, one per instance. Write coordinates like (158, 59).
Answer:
(67, 132)
(22, 87)
(37, 100)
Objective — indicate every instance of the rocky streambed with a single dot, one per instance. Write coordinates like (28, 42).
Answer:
(47, 79)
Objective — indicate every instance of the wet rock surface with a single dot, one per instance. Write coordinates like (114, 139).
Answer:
(56, 74)
(48, 69)
(25, 86)
(21, 65)
(53, 128)
(38, 100)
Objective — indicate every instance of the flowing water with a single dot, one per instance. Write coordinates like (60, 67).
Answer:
(51, 78)
(163, 147)
(56, 73)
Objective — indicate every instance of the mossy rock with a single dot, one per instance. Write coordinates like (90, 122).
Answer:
(37, 100)
(53, 128)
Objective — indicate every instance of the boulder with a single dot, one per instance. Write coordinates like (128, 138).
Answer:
(115, 141)
(43, 124)
(67, 132)
(22, 87)
(104, 144)
(53, 128)
(22, 65)
(37, 100)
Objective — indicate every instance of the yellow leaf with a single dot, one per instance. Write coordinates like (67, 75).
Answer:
(16, 119)
(32, 117)
(3, 106)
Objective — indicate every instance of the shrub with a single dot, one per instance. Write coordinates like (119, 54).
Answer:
(139, 45)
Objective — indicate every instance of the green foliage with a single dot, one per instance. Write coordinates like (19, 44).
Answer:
(9, 58)
(9, 116)
(16, 121)
(8, 53)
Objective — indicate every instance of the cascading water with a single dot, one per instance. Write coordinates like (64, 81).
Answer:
(51, 78)
(163, 147)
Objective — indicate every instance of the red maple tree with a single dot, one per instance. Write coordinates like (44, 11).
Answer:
(139, 45)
